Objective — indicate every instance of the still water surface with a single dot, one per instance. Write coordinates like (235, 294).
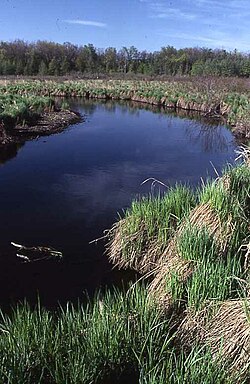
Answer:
(65, 189)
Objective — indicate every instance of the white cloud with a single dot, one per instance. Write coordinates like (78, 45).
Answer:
(161, 10)
(224, 5)
(221, 42)
(213, 23)
(175, 13)
(87, 23)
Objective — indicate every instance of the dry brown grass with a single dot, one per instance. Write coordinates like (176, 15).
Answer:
(120, 240)
(224, 328)
(244, 154)
(204, 216)
(152, 254)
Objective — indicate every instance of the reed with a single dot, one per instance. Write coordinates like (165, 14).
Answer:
(117, 336)
(190, 243)
(107, 337)
(196, 366)
(15, 109)
(216, 98)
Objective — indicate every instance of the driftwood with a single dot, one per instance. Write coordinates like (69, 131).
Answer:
(32, 254)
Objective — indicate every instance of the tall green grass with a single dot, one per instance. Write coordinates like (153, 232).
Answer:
(23, 109)
(195, 366)
(153, 219)
(115, 333)
(117, 336)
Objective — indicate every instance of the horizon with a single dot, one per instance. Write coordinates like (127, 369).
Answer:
(146, 24)
(120, 48)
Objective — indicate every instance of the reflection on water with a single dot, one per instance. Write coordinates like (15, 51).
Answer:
(210, 137)
(9, 151)
(65, 190)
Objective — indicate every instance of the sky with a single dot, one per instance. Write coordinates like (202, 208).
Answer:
(145, 24)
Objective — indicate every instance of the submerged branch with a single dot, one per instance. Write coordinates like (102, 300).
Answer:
(32, 254)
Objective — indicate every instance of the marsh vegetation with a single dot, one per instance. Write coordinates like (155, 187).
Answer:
(193, 247)
(117, 337)
(225, 99)
(189, 320)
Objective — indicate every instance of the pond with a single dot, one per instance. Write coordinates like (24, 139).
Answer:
(64, 190)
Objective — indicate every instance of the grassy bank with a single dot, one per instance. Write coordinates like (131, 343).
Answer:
(193, 246)
(119, 337)
(189, 324)
(226, 98)
(28, 116)
(16, 109)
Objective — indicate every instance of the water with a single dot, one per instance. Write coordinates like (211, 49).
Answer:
(66, 189)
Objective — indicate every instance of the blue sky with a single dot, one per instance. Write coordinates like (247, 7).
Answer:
(146, 24)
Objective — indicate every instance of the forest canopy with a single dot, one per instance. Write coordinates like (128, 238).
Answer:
(48, 58)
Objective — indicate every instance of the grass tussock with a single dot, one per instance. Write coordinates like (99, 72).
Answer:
(198, 245)
(202, 270)
(188, 239)
(138, 240)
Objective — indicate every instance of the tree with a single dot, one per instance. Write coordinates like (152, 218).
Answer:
(43, 70)
(53, 67)
(110, 60)
(65, 66)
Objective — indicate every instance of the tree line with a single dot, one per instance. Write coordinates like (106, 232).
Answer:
(48, 58)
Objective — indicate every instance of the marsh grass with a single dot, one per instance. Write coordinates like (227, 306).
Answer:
(138, 240)
(190, 243)
(116, 333)
(116, 337)
(18, 109)
(211, 97)
(196, 366)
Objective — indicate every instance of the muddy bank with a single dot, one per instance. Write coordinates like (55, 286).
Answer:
(47, 124)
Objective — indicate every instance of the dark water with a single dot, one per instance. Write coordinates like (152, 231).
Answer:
(65, 189)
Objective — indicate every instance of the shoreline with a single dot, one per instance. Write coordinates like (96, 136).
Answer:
(227, 101)
(47, 124)
(56, 121)
(240, 129)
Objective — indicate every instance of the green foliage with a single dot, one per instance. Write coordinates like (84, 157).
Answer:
(114, 333)
(157, 217)
(42, 57)
(17, 109)
(118, 334)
